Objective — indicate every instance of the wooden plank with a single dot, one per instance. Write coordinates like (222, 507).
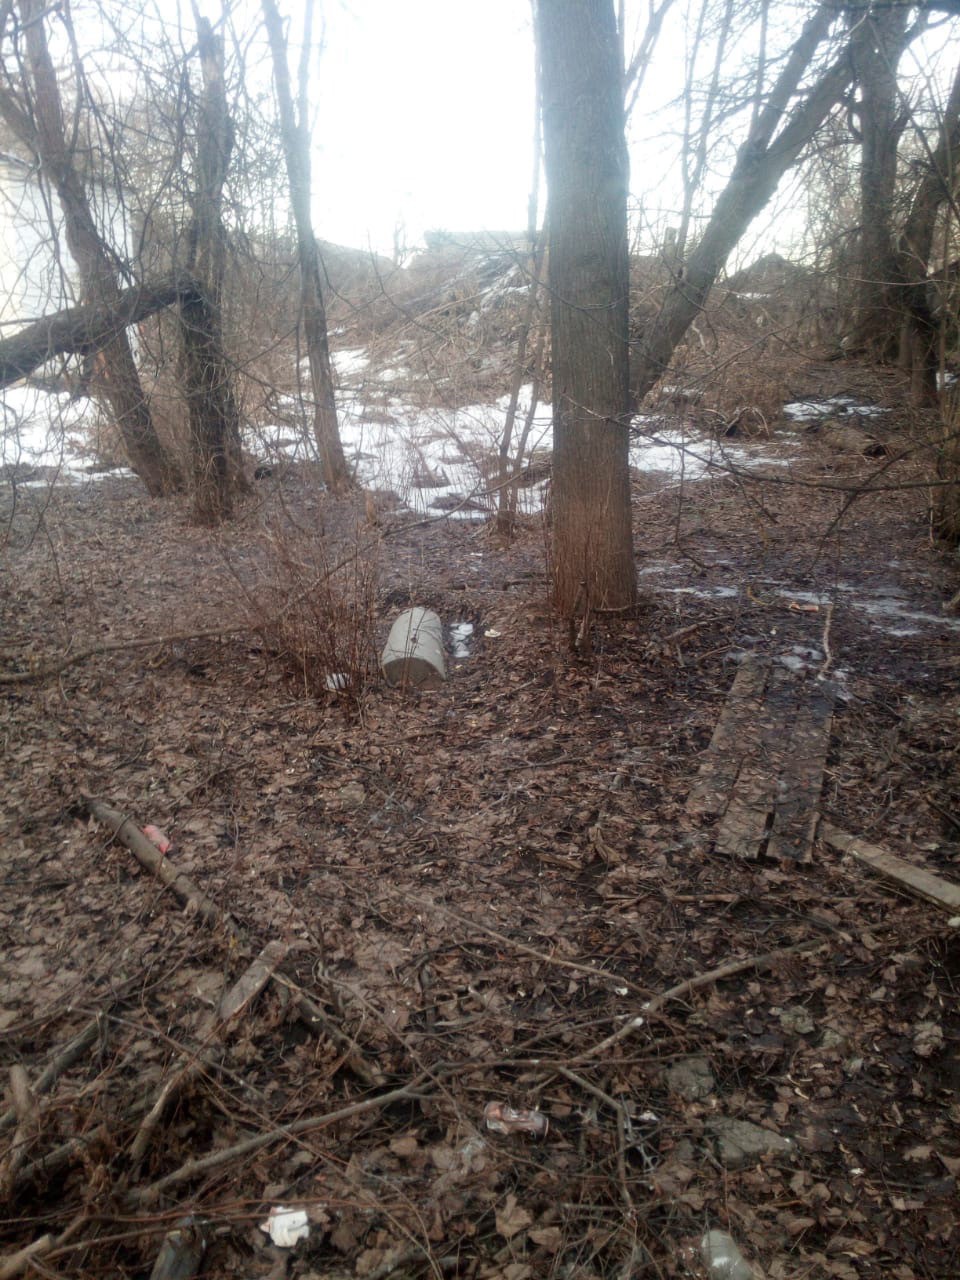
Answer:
(743, 829)
(916, 880)
(731, 736)
(800, 783)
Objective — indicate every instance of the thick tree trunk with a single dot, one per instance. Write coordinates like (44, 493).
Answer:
(585, 158)
(206, 374)
(116, 381)
(296, 150)
(877, 43)
(921, 323)
(86, 329)
(946, 504)
(762, 161)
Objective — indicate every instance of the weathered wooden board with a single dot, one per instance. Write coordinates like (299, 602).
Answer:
(763, 771)
(747, 819)
(731, 737)
(916, 880)
(801, 780)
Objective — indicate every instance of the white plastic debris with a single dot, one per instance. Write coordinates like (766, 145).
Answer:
(723, 1257)
(286, 1226)
(338, 681)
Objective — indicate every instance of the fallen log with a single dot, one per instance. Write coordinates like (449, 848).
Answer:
(87, 328)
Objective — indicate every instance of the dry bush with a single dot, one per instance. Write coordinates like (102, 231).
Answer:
(314, 602)
(742, 353)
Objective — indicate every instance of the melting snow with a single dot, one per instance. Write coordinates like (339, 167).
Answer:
(44, 430)
(834, 407)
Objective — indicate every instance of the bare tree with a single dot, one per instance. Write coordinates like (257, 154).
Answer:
(206, 374)
(33, 110)
(880, 33)
(295, 137)
(777, 136)
(585, 158)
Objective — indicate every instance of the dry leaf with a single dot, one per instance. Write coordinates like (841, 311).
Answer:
(512, 1218)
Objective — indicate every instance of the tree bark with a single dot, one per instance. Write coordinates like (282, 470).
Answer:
(762, 161)
(296, 149)
(921, 325)
(40, 125)
(206, 374)
(88, 328)
(877, 43)
(585, 159)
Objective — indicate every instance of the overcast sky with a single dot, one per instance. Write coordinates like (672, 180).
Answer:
(425, 113)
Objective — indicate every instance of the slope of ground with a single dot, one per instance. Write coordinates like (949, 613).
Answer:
(477, 887)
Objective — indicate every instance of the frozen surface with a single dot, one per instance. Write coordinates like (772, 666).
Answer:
(834, 407)
(887, 607)
(46, 438)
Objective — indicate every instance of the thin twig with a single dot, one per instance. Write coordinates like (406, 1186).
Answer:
(766, 961)
(828, 655)
(193, 1168)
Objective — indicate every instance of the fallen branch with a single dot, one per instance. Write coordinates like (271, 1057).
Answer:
(310, 1013)
(16, 1263)
(233, 1002)
(25, 1106)
(87, 328)
(73, 1151)
(149, 856)
(615, 979)
(193, 1168)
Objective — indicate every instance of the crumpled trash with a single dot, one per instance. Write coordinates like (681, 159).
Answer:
(503, 1119)
(286, 1226)
(158, 838)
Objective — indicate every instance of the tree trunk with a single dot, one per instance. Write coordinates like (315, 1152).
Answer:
(86, 329)
(296, 149)
(40, 125)
(921, 324)
(585, 158)
(762, 161)
(946, 504)
(205, 371)
(877, 43)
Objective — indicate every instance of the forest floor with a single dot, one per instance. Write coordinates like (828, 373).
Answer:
(476, 887)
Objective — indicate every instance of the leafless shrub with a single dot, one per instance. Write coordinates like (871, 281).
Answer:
(313, 601)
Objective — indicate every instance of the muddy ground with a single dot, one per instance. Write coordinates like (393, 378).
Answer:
(476, 887)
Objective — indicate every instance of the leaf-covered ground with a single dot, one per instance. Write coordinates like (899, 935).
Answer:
(477, 888)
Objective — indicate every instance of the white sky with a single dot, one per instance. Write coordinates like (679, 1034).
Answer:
(425, 114)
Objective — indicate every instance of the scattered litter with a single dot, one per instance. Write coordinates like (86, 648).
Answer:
(338, 682)
(500, 1118)
(460, 634)
(158, 838)
(723, 1257)
(286, 1226)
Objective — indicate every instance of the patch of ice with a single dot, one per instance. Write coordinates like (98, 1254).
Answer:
(460, 445)
(832, 407)
(679, 455)
(705, 593)
(43, 429)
